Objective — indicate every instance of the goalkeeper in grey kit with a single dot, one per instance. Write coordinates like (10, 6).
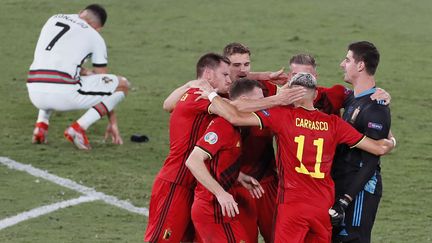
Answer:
(356, 173)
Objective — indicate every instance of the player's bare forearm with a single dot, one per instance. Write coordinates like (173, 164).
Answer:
(249, 105)
(376, 147)
(112, 129)
(171, 101)
(259, 75)
(231, 114)
(196, 165)
(112, 117)
(285, 96)
(278, 77)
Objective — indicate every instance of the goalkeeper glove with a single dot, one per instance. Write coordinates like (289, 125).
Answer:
(337, 212)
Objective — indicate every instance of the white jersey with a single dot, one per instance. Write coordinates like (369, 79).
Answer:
(64, 43)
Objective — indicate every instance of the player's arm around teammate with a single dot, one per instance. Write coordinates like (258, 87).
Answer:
(235, 117)
(196, 165)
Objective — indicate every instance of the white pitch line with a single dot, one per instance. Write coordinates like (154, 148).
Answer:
(73, 185)
(36, 212)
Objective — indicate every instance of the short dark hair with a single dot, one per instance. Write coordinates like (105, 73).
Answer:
(210, 60)
(303, 59)
(242, 86)
(99, 11)
(235, 48)
(367, 52)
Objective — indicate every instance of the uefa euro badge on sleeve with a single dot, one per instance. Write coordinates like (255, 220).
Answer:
(211, 138)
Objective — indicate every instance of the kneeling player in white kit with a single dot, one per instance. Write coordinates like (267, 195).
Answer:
(58, 82)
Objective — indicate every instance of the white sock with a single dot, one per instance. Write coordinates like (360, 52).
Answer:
(96, 112)
(44, 116)
(90, 117)
(112, 100)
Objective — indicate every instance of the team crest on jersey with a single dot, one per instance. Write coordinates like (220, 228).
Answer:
(265, 112)
(211, 138)
(375, 126)
(107, 79)
(167, 234)
(354, 115)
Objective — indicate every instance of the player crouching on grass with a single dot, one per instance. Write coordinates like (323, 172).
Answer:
(214, 163)
(58, 82)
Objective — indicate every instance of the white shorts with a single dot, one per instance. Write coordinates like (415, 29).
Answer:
(65, 97)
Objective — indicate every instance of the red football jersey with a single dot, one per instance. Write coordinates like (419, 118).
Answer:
(188, 122)
(331, 100)
(222, 143)
(307, 141)
(257, 157)
(269, 88)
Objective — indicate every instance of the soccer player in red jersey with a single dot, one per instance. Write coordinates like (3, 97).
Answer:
(257, 157)
(214, 162)
(306, 140)
(172, 193)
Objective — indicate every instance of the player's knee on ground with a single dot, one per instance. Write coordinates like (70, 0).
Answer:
(123, 85)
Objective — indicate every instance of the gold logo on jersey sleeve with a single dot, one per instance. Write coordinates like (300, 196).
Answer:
(183, 98)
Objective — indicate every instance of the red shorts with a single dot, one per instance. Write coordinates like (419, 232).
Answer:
(232, 232)
(300, 222)
(211, 227)
(266, 209)
(257, 213)
(169, 213)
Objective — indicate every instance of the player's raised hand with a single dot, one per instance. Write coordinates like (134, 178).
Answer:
(288, 95)
(228, 204)
(381, 95)
(250, 183)
(279, 77)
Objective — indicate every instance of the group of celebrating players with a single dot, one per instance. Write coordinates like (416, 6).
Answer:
(223, 181)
